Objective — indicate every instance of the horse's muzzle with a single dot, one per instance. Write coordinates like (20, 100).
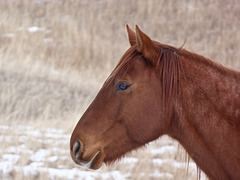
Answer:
(77, 153)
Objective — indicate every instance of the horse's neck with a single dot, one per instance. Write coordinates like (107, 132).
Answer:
(207, 118)
(212, 89)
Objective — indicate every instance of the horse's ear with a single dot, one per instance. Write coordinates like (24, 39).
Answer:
(146, 46)
(131, 36)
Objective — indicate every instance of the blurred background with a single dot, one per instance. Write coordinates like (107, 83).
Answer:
(56, 54)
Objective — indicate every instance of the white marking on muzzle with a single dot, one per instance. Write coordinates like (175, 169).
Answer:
(84, 163)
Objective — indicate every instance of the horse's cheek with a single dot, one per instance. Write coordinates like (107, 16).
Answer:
(145, 127)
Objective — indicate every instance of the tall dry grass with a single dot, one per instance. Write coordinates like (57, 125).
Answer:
(49, 74)
(85, 39)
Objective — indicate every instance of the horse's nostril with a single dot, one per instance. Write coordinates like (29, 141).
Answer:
(76, 148)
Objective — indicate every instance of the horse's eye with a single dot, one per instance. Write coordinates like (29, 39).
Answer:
(122, 86)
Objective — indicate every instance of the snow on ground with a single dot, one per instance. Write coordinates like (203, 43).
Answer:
(50, 161)
(29, 153)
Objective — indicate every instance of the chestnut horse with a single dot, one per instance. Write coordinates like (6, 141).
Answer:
(157, 89)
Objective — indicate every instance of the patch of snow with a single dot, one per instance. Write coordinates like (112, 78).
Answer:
(16, 149)
(6, 167)
(22, 138)
(6, 164)
(191, 165)
(12, 149)
(54, 141)
(157, 174)
(4, 127)
(21, 127)
(74, 173)
(62, 142)
(40, 155)
(157, 162)
(67, 173)
(61, 166)
(36, 164)
(53, 159)
(27, 170)
(34, 29)
(129, 160)
(163, 150)
(60, 151)
(54, 135)
(6, 138)
(35, 133)
(11, 158)
(52, 130)
(116, 175)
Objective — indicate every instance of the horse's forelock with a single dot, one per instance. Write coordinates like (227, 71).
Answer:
(123, 63)
(167, 70)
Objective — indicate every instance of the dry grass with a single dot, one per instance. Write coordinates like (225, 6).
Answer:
(49, 76)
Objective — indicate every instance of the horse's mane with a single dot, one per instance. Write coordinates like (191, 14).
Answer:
(169, 73)
(168, 67)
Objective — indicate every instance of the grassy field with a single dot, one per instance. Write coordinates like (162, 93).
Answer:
(55, 55)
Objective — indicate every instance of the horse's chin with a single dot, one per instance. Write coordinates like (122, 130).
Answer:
(95, 162)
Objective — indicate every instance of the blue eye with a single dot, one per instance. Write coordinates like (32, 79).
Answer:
(122, 86)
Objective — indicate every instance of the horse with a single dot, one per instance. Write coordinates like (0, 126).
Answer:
(158, 89)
